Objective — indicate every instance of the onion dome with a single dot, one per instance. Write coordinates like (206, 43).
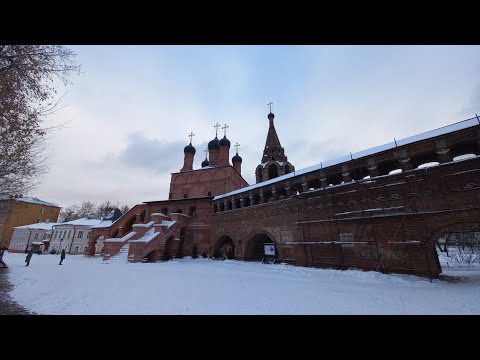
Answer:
(214, 144)
(205, 163)
(271, 115)
(224, 142)
(189, 149)
(236, 158)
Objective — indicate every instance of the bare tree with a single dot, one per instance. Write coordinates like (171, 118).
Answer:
(87, 209)
(27, 94)
(69, 213)
(104, 209)
(124, 209)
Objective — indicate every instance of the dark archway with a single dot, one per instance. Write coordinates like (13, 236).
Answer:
(254, 250)
(314, 184)
(92, 244)
(115, 233)
(179, 211)
(165, 211)
(192, 211)
(151, 257)
(258, 173)
(464, 148)
(272, 171)
(180, 251)
(385, 167)
(282, 193)
(224, 248)
(169, 248)
(288, 170)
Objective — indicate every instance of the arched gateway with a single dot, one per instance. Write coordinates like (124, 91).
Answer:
(255, 245)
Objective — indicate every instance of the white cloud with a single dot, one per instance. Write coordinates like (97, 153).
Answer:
(129, 114)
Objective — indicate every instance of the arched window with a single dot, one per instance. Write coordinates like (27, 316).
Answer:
(272, 171)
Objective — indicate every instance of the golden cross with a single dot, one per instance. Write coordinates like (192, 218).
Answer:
(224, 128)
(270, 105)
(191, 136)
(237, 145)
(216, 126)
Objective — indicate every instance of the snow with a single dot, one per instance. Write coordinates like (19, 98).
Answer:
(391, 145)
(84, 285)
(148, 236)
(168, 223)
(464, 157)
(35, 200)
(82, 221)
(429, 164)
(38, 226)
(103, 224)
(122, 239)
(150, 223)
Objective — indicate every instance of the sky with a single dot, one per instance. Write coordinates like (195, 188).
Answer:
(87, 286)
(127, 116)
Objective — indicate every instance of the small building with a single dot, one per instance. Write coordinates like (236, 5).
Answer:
(21, 211)
(24, 236)
(73, 235)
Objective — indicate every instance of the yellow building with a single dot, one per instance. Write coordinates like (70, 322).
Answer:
(24, 211)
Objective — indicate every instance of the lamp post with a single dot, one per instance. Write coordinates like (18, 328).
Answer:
(61, 240)
(28, 240)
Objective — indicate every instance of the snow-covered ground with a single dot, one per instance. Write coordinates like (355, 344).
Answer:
(85, 285)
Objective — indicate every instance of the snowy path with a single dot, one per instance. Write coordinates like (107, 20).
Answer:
(84, 285)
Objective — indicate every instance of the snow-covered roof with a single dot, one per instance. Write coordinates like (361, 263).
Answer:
(103, 224)
(465, 124)
(34, 200)
(83, 221)
(37, 226)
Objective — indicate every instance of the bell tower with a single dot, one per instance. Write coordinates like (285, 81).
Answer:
(274, 163)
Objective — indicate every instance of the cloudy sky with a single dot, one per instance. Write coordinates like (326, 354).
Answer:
(129, 113)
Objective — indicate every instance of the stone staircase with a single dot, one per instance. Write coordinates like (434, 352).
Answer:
(120, 257)
(147, 238)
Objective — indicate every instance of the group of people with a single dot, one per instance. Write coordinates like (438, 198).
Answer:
(31, 251)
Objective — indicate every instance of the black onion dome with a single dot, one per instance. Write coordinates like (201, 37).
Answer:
(236, 158)
(224, 141)
(214, 144)
(271, 115)
(205, 163)
(189, 149)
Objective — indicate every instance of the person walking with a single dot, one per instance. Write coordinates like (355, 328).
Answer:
(2, 263)
(62, 256)
(29, 256)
